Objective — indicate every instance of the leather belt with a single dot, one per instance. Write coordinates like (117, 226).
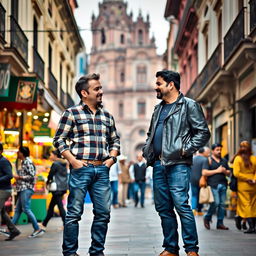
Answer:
(93, 162)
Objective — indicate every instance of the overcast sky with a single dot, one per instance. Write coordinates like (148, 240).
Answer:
(155, 8)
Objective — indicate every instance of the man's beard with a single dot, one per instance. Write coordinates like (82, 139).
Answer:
(159, 94)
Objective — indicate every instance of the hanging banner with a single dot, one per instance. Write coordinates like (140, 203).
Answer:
(5, 76)
(22, 94)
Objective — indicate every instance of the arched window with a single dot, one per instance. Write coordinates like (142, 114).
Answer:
(122, 77)
(141, 74)
(122, 38)
(140, 37)
(141, 107)
(121, 109)
(103, 36)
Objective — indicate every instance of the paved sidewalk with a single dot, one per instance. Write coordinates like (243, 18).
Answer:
(132, 232)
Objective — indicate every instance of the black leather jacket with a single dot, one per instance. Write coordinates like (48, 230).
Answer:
(184, 131)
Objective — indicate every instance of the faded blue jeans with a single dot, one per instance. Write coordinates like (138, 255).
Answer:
(219, 194)
(23, 205)
(195, 198)
(95, 180)
(141, 185)
(171, 186)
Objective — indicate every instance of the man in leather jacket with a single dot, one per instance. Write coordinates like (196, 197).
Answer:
(177, 130)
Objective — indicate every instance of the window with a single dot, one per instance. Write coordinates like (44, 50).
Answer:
(61, 75)
(141, 107)
(141, 74)
(81, 65)
(121, 110)
(35, 34)
(122, 39)
(50, 8)
(122, 78)
(103, 36)
(240, 4)
(67, 85)
(206, 43)
(140, 37)
(220, 28)
(50, 57)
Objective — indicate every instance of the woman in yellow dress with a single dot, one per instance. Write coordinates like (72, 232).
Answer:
(244, 168)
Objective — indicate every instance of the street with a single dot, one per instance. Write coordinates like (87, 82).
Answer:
(132, 232)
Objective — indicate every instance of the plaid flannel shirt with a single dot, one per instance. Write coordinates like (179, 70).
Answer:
(27, 172)
(90, 136)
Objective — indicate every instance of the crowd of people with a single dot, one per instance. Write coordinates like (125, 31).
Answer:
(173, 160)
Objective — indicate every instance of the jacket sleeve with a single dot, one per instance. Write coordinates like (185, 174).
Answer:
(199, 127)
(7, 170)
(52, 172)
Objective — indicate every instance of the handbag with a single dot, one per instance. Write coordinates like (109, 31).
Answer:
(205, 195)
(203, 181)
(233, 183)
(52, 185)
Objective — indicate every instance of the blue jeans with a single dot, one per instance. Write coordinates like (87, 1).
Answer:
(95, 180)
(171, 186)
(114, 191)
(195, 198)
(219, 194)
(23, 205)
(139, 186)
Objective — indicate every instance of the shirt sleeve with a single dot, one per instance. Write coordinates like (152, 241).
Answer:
(29, 169)
(64, 131)
(114, 140)
(237, 167)
(7, 171)
(131, 171)
(205, 164)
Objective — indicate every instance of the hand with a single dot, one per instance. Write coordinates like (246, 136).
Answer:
(221, 169)
(227, 172)
(16, 177)
(109, 162)
(76, 164)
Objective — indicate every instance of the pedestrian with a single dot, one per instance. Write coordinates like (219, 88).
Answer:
(5, 193)
(58, 174)
(138, 173)
(114, 173)
(93, 147)
(244, 169)
(124, 179)
(177, 130)
(196, 173)
(25, 180)
(216, 171)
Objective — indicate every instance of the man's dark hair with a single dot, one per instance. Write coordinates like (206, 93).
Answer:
(25, 151)
(170, 76)
(83, 83)
(201, 150)
(56, 153)
(1, 147)
(216, 145)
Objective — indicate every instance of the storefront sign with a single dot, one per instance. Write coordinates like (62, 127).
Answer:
(25, 91)
(5, 76)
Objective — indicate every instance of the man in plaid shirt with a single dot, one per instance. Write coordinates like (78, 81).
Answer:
(93, 147)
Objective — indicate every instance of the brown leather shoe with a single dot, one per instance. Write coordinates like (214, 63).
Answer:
(192, 254)
(207, 224)
(222, 227)
(166, 253)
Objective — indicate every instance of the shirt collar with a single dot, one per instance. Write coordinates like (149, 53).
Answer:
(86, 107)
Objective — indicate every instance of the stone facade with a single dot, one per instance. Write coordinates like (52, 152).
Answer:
(125, 56)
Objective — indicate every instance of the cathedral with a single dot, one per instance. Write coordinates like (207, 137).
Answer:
(125, 56)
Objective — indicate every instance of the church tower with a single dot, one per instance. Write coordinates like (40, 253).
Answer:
(125, 56)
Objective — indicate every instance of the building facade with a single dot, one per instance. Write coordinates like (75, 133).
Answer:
(226, 79)
(125, 56)
(39, 41)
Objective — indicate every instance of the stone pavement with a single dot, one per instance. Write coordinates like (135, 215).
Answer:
(132, 232)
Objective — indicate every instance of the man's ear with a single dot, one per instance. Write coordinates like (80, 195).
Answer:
(84, 93)
(171, 85)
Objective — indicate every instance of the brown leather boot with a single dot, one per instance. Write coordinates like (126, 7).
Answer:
(166, 253)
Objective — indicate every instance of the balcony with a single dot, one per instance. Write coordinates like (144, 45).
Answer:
(252, 15)
(2, 22)
(38, 64)
(212, 66)
(19, 40)
(70, 101)
(53, 85)
(235, 35)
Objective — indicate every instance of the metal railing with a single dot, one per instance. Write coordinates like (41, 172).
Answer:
(212, 66)
(38, 64)
(53, 85)
(2, 21)
(70, 101)
(252, 14)
(19, 39)
(235, 35)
